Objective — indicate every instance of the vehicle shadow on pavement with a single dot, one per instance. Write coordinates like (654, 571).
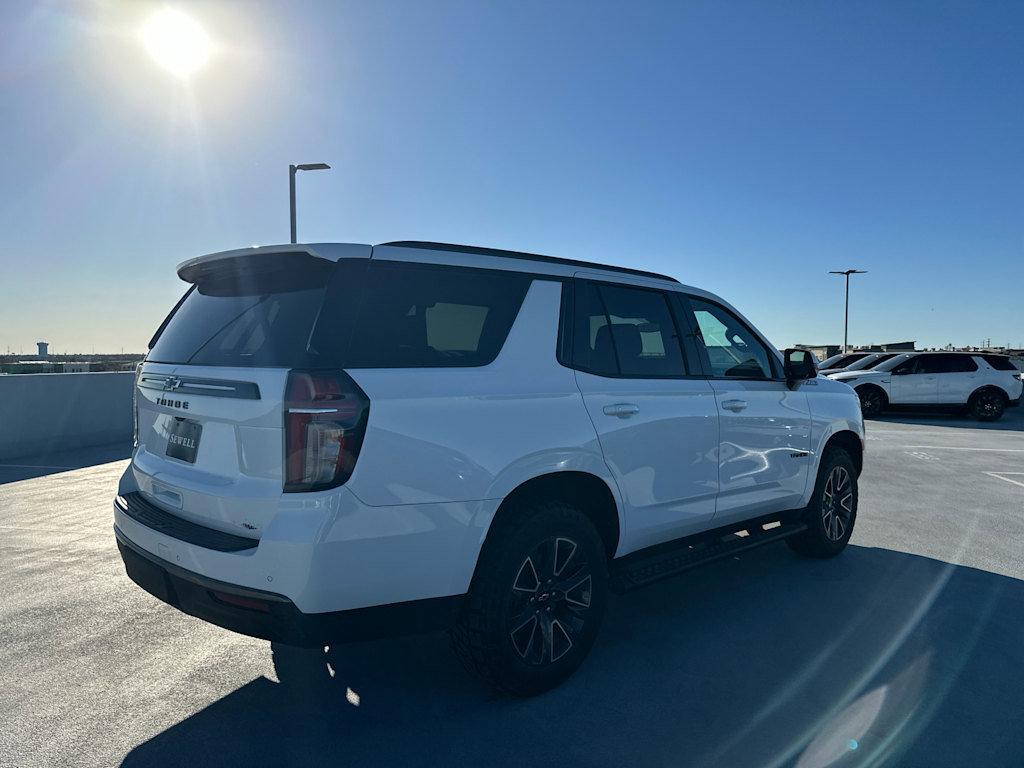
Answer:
(41, 465)
(1011, 421)
(877, 657)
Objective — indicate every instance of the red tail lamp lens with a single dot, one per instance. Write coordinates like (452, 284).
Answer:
(324, 423)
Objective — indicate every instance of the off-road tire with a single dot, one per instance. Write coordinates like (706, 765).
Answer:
(832, 512)
(506, 633)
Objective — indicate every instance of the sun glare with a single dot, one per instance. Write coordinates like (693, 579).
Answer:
(176, 42)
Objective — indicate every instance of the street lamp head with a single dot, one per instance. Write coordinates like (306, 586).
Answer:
(848, 272)
(292, 170)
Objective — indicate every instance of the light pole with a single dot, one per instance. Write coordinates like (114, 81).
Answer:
(846, 315)
(291, 185)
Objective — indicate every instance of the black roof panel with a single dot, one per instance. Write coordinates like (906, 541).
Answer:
(475, 250)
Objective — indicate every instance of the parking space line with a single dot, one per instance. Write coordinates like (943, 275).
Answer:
(1000, 476)
(949, 432)
(964, 448)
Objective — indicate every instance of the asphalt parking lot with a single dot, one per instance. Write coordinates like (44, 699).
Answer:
(907, 650)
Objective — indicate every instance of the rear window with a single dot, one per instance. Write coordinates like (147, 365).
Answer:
(354, 314)
(999, 362)
(242, 318)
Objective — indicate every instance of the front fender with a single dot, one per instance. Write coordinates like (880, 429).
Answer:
(832, 411)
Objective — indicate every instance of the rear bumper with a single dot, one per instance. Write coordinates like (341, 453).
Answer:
(272, 616)
(323, 552)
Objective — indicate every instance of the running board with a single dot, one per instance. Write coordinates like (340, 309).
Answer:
(663, 560)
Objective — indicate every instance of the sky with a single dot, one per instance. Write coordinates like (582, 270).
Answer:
(743, 147)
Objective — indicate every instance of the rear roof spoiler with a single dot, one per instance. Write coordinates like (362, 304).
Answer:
(193, 270)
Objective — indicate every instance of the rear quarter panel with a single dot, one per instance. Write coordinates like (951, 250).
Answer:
(466, 434)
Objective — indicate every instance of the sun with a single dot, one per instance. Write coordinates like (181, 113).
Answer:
(177, 42)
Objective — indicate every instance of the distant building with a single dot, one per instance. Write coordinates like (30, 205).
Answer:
(44, 349)
(80, 367)
(28, 366)
(896, 346)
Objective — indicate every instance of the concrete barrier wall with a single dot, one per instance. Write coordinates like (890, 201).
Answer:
(43, 412)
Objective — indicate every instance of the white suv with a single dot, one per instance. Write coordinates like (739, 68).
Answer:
(984, 384)
(340, 442)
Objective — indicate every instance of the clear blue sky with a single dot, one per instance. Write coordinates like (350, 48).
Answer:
(743, 147)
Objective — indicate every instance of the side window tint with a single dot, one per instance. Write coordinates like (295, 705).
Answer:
(620, 331)
(590, 322)
(906, 367)
(641, 332)
(962, 364)
(733, 349)
(1000, 363)
(423, 316)
(946, 364)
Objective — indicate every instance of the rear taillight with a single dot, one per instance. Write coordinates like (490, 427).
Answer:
(324, 422)
(135, 406)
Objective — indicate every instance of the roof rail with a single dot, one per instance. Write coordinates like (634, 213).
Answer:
(472, 249)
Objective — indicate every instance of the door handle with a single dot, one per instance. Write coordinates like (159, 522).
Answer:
(622, 410)
(734, 405)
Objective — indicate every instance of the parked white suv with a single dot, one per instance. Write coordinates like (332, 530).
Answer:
(340, 442)
(984, 384)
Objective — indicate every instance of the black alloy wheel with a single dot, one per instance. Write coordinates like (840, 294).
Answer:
(551, 595)
(837, 503)
(988, 405)
(872, 401)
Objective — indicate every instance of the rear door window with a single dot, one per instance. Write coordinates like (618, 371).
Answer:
(625, 331)
(945, 364)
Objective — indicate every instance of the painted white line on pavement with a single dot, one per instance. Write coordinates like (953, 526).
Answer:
(959, 448)
(1000, 475)
(951, 432)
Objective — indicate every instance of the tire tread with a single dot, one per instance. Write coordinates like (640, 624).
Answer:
(478, 650)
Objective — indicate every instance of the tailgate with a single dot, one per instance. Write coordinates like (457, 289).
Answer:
(210, 443)
(210, 394)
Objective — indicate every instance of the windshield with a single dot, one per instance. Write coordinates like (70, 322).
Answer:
(892, 362)
(842, 361)
(870, 361)
(828, 362)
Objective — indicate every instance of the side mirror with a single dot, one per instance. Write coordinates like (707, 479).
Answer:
(799, 365)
